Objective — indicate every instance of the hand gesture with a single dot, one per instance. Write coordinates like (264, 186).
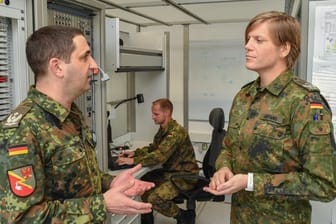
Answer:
(118, 203)
(224, 182)
(138, 187)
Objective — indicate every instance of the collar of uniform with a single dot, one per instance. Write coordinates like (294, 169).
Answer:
(275, 87)
(48, 104)
(170, 125)
(280, 83)
(253, 88)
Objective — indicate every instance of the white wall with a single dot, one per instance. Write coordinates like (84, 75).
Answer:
(176, 67)
(221, 31)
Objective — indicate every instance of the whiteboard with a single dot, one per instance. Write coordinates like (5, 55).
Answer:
(321, 68)
(217, 73)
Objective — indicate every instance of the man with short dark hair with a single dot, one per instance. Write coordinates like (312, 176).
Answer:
(48, 167)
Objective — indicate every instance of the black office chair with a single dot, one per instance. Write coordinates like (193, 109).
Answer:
(216, 120)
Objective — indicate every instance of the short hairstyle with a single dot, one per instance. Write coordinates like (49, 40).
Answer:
(283, 29)
(49, 42)
(165, 104)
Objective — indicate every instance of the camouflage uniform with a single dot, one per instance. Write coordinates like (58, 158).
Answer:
(172, 149)
(282, 134)
(49, 171)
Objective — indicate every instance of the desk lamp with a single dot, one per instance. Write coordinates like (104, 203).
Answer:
(139, 97)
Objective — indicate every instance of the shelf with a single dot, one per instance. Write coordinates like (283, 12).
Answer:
(139, 68)
(139, 53)
(129, 50)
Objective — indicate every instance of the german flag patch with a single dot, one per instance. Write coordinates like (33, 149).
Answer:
(18, 150)
(314, 105)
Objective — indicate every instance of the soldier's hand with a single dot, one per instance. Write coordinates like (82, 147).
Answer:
(220, 177)
(118, 203)
(128, 154)
(125, 161)
(138, 188)
(234, 184)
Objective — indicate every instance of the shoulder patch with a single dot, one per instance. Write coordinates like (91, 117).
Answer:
(22, 181)
(247, 84)
(14, 118)
(307, 85)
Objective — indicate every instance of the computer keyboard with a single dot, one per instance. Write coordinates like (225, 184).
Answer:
(113, 156)
(112, 164)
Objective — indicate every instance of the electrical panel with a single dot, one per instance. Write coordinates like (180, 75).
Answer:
(13, 78)
(6, 90)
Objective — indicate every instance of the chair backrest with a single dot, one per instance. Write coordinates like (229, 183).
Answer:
(216, 120)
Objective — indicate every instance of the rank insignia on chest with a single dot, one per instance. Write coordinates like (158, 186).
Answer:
(316, 105)
(18, 150)
(22, 181)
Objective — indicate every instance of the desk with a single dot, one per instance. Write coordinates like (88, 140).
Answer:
(128, 219)
(138, 174)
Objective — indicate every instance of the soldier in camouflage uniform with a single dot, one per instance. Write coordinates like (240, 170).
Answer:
(279, 151)
(172, 149)
(48, 167)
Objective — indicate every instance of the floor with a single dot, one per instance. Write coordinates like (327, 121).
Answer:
(206, 213)
(219, 212)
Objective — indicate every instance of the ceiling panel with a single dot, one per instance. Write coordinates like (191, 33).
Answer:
(126, 2)
(164, 13)
(233, 10)
(127, 16)
(172, 12)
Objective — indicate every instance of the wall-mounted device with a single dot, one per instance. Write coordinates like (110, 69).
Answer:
(123, 58)
(104, 75)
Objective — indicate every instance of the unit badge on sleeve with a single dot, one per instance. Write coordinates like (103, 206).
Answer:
(22, 181)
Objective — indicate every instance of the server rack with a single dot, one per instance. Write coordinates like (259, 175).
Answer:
(13, 68)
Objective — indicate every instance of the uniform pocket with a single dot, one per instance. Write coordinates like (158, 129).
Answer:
(271, 138)
(319, 136)
(234, 124)
(319, 127)
(68, 155)
(68, 169)
(271, 127)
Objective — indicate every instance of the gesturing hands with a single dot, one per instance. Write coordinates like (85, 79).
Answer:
(138, 187)
(225, 182)
(124, 185)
